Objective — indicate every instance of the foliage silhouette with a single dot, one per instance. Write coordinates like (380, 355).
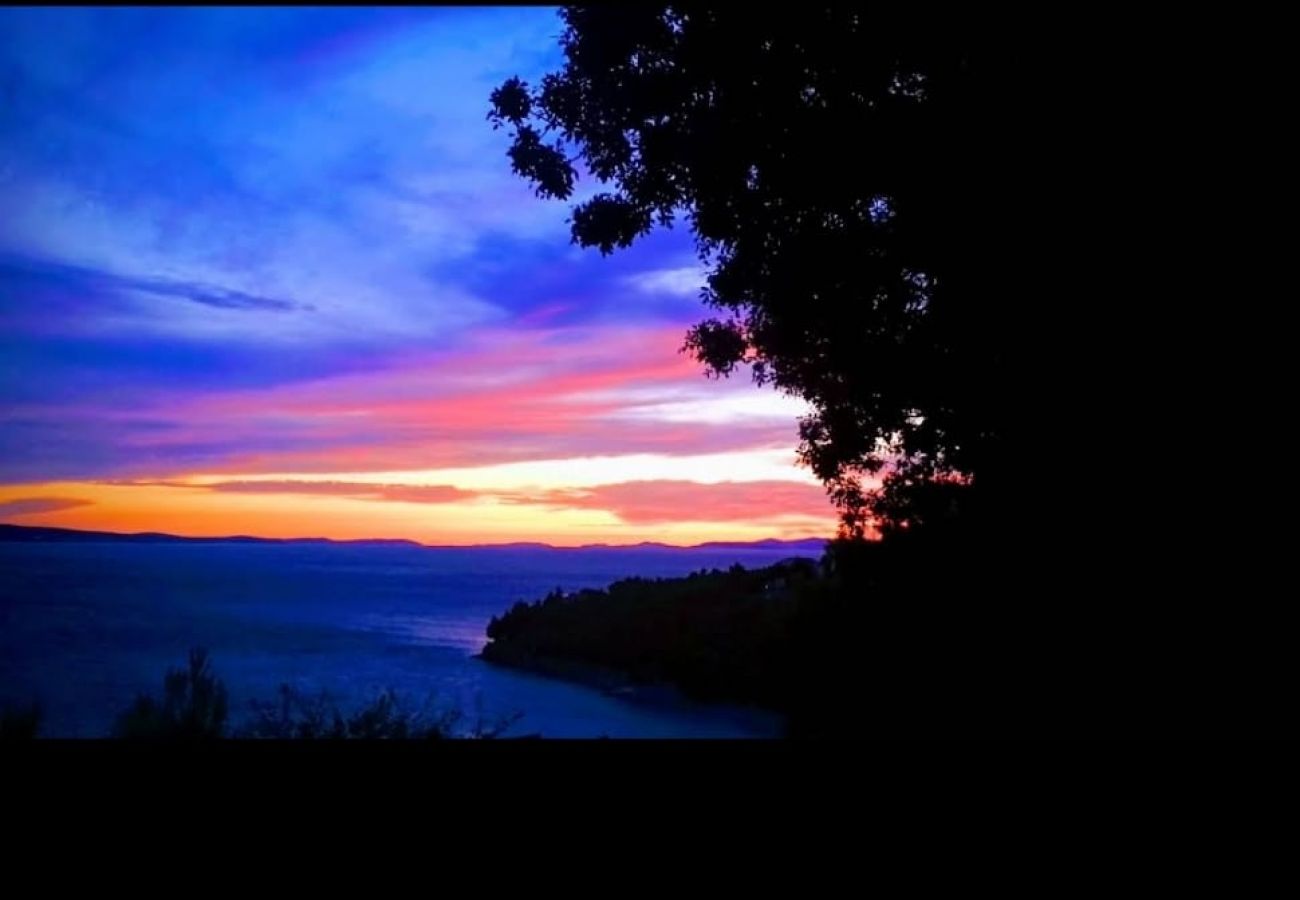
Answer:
(875, 640)
(718, 636)
(193, 706)
(833, 175)
(299, 717)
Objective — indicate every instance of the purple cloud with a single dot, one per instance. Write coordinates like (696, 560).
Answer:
(31, 506)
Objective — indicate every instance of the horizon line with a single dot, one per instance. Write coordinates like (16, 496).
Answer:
(380, 540)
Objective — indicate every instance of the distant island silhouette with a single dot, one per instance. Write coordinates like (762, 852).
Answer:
(41, 534)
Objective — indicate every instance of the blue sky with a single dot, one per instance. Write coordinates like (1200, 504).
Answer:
(205, 207)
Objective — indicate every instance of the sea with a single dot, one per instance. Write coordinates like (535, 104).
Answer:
(86, 627)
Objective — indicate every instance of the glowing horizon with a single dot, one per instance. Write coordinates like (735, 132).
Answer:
(267, 271)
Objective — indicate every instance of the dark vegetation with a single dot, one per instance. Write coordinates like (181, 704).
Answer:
(847, 180)
(718, 636)
(299, 717)
(194, 707)
(867, 196)
(853, 645)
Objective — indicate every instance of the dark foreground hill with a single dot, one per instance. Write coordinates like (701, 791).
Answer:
(718, 636)
(941, 636)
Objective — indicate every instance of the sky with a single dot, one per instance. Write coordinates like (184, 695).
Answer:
(267, 271)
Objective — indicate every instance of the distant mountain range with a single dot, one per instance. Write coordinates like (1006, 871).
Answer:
(33, 534)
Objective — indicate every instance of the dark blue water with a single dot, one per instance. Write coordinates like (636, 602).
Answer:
(85, 627)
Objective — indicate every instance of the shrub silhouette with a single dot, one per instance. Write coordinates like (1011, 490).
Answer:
(193, 706)
(299, 717)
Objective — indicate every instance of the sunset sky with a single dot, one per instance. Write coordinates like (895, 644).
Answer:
(267, 271)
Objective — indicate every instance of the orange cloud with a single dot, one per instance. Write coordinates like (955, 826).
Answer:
(612, 514)
(406, 493)
(657, 502)
(650, 502)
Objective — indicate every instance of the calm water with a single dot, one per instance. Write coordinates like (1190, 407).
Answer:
(85, 627)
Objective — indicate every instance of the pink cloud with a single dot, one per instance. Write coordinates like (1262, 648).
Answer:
(508, 396)
(635, 502)
(545, 313)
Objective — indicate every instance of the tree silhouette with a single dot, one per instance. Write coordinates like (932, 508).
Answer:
(193, 706)
(833, 177)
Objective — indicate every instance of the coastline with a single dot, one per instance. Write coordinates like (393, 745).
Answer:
(619, 685)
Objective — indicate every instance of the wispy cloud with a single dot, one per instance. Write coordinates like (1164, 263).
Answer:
(405, 493)
(81, 281)
(31, 506)
(344, 161)
(657, 502)
(681, 281)
(505, 397)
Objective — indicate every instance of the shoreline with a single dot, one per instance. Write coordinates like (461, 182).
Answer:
(619, 685)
